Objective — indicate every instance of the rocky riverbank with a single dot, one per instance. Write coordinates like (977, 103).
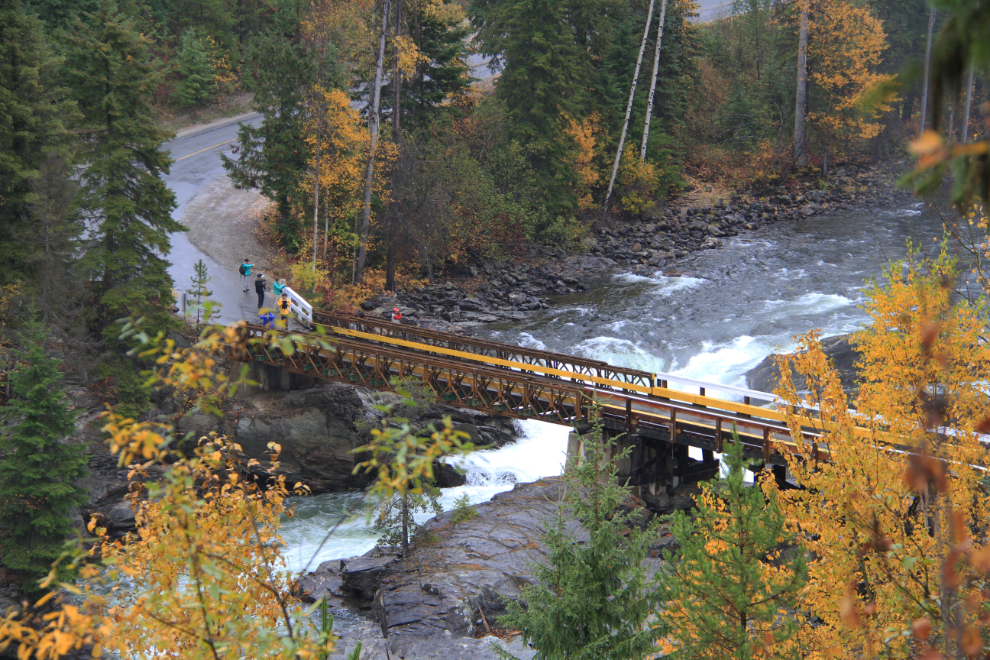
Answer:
(317, 428)
(450, 591)
(503, 291)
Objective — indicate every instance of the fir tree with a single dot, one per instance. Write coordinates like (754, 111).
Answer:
(196, 84)
(731, 592)
(33, 109)
(37, 466)
(128, 205)
(204, 310)
(441, 72)
(542, 83)
(274, 157)
(592, 599)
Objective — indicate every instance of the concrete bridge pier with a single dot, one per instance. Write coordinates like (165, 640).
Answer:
(269, 377)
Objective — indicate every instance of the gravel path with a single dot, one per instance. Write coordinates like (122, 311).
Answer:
(222, 222)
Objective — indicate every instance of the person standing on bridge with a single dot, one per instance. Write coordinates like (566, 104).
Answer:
(284, 305)
(245, 271)
(259, 287)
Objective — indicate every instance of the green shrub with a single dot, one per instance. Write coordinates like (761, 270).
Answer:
(463, 510)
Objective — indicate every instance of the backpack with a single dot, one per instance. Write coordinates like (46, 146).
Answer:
(243, 270)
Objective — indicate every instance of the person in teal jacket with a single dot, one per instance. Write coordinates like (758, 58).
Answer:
(245, 271)
(278, 286)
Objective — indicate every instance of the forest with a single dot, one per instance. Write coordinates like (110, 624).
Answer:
(401, 141)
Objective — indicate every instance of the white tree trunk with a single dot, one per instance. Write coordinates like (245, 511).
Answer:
(653, 83)
(397, 76)
(928, 61)
(969, 105)
(373, 121)
(316, 187)
(632, 94)
(801, 100)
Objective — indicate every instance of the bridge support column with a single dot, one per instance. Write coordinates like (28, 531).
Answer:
(269, 377)
(780, 476)
(575, 449)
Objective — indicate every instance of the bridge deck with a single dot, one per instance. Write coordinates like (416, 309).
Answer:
(528, 384)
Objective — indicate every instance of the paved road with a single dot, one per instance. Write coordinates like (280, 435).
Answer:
(197, 161)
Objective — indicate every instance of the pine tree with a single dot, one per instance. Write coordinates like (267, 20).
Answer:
(591, 599)
(53, 237)
(274, 157)
(33, 112)
(196, 85)
(128, 205)
(37, 466)
(730, 592)
(204, 310)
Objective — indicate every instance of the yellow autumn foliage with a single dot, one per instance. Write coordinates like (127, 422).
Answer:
(885, 515)
(845, 44)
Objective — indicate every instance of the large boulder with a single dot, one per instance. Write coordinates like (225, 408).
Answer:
(474, 566)
(319, 428)
(766, 375)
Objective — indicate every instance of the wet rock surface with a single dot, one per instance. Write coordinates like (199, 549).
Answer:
(319, 427)
(766, 375)
(453, 588)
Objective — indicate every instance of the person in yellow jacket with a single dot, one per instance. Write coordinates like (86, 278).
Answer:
(283, 310)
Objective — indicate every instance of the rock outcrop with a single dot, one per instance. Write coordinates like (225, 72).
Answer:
(457, 585)
(319, 427)
(766, 375)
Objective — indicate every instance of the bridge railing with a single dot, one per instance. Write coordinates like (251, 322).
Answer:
(299, 306)
(523, 357)
(594, 373)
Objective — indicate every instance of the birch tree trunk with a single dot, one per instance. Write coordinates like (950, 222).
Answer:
(969, 105)
(653, 83)
(928, 61)
(801, 101)
(316, 187)
(369, 175)
(397, 75)
(632, 94)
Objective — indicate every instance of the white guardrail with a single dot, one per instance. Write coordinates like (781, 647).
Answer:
(298, 306)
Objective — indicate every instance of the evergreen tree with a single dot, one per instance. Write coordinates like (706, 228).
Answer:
(394, 517)
(731, 592)
(543, 81)
(53, 237)
(442, 71)
(592, 599)
(33, 109)
(196, 85)
(204, 310)
(127, 203)
(37, 466)
(60, 14)
(274, 157)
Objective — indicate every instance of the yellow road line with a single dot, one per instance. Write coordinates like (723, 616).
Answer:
(219, 144)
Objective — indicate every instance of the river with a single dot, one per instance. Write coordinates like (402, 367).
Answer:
(718, 315)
